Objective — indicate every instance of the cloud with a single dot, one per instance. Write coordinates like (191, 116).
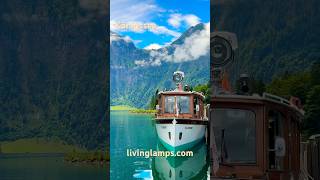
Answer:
(140, 27)
(141, 63)
(117, 37)
(136, 41)
(176, 20)
(153, 46)
(194, 46)
(133, 10)
(133, 26)
(191, 19)
(165, 30)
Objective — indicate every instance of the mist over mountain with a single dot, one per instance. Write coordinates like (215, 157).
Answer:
(136, 74)
(275, 38)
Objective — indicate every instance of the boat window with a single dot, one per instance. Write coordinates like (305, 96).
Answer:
(235, 135)
(183, 104)
(195, 102)
(169, 104)
(276, 140)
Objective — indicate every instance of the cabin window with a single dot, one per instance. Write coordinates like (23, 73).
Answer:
(235, 135)
(195, 102)
(169, 104)
(276, 140)
(183, 104)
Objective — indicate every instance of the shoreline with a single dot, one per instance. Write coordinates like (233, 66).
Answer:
(51, 148)
(64, 158)
(132, 110)
(143, 111)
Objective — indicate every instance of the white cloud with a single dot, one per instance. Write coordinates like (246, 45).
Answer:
(195, 46)
(176, 20)
(153, 46)
(116, 37)
(191, 19)
(164, 30)
(141, 63)
(140, 27)
(127, 39)
(137, 41)
(132, 26)
(133, 10)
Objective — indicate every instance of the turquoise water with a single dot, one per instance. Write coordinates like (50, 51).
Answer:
(47, 167)
(137, 131)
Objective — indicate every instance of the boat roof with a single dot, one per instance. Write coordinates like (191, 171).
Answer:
(177, 92)
(265, 97)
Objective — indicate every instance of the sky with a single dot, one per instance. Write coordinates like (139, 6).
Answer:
(152, 24)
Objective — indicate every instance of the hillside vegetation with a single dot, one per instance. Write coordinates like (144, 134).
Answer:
(275, 38)
(53, 71)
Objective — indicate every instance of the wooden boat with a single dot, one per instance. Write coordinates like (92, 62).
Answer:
(256, 137)
(180, 119)
(251, 136)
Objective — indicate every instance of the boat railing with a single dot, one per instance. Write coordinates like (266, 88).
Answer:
(281, 100)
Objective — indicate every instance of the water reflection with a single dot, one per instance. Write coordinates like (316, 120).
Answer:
(177, 168)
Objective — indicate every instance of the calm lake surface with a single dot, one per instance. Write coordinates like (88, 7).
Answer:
(47, 167)
(137, 131)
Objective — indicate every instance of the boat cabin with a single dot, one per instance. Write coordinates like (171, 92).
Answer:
(180, 105)
(254, 137)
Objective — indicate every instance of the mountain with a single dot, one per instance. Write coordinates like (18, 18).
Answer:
(275, 37)
(53, 60)
(136, 74)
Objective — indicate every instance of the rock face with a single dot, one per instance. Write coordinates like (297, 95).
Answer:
(53, 69)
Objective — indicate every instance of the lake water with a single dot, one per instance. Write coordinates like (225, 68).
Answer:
(47, 167)
(137, 131)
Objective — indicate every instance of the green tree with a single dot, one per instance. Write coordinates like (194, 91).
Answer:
(312, 108)
(154, 101)
(258, 87)
(306, 86)
(315, 73)
(205, 90)
(291, 85)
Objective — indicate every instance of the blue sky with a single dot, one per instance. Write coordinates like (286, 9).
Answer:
(159, 22)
